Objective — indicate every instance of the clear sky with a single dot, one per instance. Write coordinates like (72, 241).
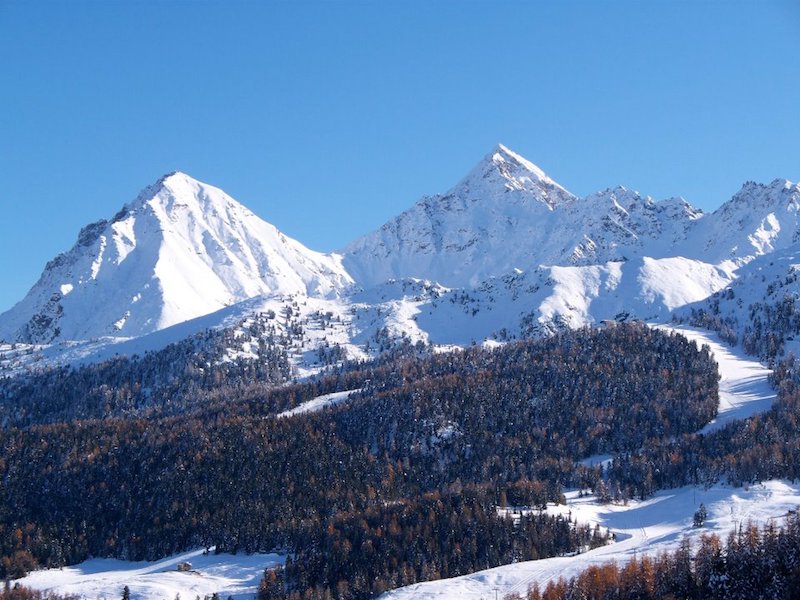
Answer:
(327, 118)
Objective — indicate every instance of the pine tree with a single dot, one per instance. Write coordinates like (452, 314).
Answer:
(700, 516)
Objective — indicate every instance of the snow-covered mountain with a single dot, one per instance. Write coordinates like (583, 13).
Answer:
(506, 252)
(507, 214)
(485, 225)
(182, 249)
(756, 221)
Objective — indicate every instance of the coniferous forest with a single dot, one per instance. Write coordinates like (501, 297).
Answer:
(399, 484)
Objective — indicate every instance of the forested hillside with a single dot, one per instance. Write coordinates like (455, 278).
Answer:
(764, 446)
(426, 442)
(180, 377)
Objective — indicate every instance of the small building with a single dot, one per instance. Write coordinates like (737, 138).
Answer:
(184, 566)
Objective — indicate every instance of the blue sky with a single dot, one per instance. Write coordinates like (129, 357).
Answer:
(327, 118)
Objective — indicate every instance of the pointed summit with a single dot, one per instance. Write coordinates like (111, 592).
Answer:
(503, 154)
(505, 170)
(452, 238)
(178, 189)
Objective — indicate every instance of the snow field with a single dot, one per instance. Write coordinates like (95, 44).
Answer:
(319, 403)
(103, 578)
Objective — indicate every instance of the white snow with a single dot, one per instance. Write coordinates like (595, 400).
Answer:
(226, 574)
(678, 281)
(319, 403)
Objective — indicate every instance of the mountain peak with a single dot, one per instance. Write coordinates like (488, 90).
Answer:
(166, 181)
(783, 184)
(181, 249)
(177, 178)
(174, 180)
(177, 192)
(503, 171)
(451, 237)
(755, 194)
(503, 154)
(169, 180)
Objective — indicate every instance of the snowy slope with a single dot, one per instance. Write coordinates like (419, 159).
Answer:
(224, 574)
(744, 388)
(180, 250)
(641, 527)
(549, 298)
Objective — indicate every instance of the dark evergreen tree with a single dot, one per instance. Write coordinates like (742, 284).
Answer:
(700, 516)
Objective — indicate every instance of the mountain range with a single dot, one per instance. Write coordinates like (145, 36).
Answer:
(506, 252)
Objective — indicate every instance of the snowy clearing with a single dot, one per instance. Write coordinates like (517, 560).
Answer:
(226, 574)
(320, 402)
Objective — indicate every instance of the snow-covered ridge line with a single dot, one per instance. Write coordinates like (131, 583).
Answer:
(506, 252)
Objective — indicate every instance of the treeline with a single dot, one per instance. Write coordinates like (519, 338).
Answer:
(769, 324)
(510, 421)
(752, 563)
(172, 380)
(20, 592)
(209, 371)
(360, 555)
(763, 446)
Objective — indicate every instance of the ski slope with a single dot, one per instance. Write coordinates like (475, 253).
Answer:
(744, 389)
